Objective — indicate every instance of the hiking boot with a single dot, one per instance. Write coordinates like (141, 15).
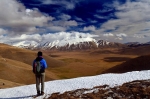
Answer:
(42, 93)
(38, 93)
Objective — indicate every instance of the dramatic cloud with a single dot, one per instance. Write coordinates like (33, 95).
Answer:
(17, 19)
(132, 18)
(122, 21)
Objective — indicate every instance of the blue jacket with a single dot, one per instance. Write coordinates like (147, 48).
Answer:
(42, 62)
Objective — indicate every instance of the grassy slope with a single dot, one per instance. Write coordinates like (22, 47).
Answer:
(25, 56)
(16, 65)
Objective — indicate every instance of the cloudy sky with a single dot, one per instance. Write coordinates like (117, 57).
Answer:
(112, 20)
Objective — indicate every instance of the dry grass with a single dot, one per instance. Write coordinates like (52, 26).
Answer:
(86, 63)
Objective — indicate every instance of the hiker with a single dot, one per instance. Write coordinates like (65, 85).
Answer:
(40, 75)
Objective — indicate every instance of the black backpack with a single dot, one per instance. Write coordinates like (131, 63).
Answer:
(37, 67)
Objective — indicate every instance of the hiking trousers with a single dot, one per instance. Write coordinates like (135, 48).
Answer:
(40, 78)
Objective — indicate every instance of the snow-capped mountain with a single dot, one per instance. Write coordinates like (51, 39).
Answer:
(58, 41)
(66, 44)
(61, 41)
(137, 44)
(48, 44)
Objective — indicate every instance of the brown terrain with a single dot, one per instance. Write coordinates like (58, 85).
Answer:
(16, 69)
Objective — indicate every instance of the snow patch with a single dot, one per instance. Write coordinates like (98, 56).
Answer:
(75, 83)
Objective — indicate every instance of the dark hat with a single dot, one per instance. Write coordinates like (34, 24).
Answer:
(39, 53)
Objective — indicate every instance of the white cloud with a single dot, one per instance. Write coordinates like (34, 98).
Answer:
(65, 17)
(63, 23)
(64, 3)
(15, 17)
(104, 10)
(89, 28)
(108, 34)
(56, 28)
(121, 35)
(28, 39)
(78, 19)
(70, 23)
(100, 17)
(139, 36)
(2, 31)
(18, 20)
(93, 21)
(132, 18)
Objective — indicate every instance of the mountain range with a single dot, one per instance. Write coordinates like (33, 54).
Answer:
(80, 43)
(68, 44)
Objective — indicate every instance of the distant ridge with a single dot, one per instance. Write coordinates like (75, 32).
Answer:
(71, 45)
(136, 64)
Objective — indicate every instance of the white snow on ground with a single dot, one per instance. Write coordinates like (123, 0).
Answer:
(25, 92)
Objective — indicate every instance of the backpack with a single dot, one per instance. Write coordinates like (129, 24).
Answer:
(37, 67)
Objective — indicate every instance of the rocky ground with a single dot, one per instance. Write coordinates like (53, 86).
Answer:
(139, 89)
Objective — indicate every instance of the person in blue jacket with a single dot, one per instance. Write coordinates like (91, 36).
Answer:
(40, 78)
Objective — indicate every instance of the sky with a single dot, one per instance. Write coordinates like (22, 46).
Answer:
(112, 20)
(26, 91)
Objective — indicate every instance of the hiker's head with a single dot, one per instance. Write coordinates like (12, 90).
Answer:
(39, 53)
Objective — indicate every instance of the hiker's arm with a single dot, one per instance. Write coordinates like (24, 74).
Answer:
(45, 64)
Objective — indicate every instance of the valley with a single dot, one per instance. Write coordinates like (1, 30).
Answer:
(16, 69)
(86, 63)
